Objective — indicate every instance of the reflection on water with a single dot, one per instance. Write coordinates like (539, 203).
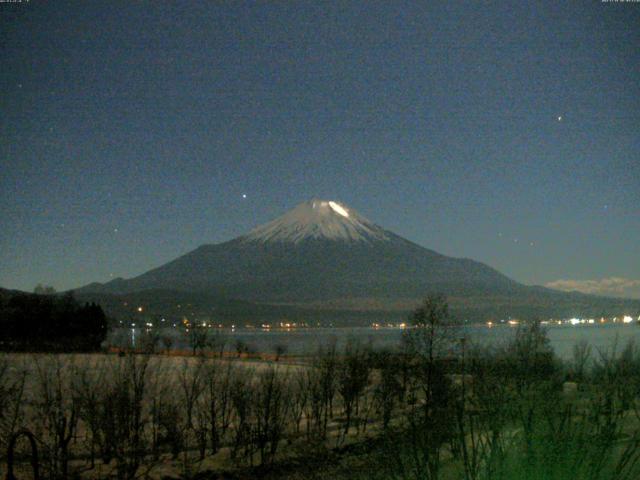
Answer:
(305, 341)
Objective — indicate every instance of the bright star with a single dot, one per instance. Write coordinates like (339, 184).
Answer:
(560, 118)
(244, 195)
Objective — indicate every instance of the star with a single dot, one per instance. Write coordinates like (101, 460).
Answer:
(559, 118)
(244, 195)
(115, 230)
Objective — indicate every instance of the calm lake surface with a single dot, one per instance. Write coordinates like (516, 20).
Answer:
(305, 341)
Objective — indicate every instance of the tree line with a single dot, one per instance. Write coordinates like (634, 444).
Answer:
(47, 322)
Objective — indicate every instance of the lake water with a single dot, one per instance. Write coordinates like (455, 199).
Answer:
(304, 341)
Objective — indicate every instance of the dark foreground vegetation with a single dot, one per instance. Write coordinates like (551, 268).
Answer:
(442, 408)
(47, 322)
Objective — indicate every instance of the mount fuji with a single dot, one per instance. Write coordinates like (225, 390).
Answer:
(324, 255)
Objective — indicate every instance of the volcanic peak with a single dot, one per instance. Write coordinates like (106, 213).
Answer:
(319, 219)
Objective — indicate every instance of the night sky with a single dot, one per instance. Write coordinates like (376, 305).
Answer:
(507, 132)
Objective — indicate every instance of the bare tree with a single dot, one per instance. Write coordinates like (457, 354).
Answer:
(321, 384)
(197, 338)
(191, 385)
(88, 384)
(167, 342)
(280, 350)
(149, 340)
(216, 342)
(241, 347)
(388, 389)
(56, 411)
(170, 422)
(123, 414)
(242, 401)
(299, 393)
(218, 379)
(353, 377)
(427, 424)
(12, 388)
(271, 405)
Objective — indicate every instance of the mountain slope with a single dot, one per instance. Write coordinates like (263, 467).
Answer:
(318, 251)
(324, 254)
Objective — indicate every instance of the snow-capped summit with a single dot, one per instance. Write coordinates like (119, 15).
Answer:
(318, 219)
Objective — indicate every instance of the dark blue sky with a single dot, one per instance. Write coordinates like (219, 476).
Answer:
(507, 132)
